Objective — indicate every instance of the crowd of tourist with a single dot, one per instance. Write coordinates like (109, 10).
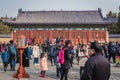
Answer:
(93, 58)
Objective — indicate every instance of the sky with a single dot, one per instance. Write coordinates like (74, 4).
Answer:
(11, 7)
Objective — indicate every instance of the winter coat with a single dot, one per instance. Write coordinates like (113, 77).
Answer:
(36, 51)
(5, 56)
(44, 47)
(83, 57)
(43, 63)
(66, 64)
(97, 67)
(1, 48)
(25, 58)
(75, 49)
(12, 51)
(53, 51)
(30, 41)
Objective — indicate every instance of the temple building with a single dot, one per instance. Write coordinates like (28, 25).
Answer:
(78, 26)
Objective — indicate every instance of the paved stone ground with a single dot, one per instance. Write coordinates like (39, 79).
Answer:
(34, 72)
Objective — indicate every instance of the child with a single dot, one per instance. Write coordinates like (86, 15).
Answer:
(5, 58)
(43, 64)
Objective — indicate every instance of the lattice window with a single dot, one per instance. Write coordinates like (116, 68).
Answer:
(41, 33)
(17, 33)
(93, 35)
(46, 34)
(84, 35)
(26, 33)
(66, 35)
(99, 35)
(81, 35)
(54, 35)
(37, 34)
(102, 35)
(73, 35)
(76, 34)
(34, 33)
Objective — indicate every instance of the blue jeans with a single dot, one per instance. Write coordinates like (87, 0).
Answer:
(71, 60)
(35, 60)
(52, 59)
(13, 62)
(106, 55)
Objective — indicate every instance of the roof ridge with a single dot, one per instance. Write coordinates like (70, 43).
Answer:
(60, 11)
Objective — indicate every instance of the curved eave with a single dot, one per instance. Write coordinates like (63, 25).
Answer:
(37, 23)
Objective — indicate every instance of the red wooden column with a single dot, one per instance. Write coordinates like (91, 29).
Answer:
(50, 35)
(14, 35)
(69, 34)
(105, 36)
(30, 34)
(78, 39)
(88, 36)
(97, 35)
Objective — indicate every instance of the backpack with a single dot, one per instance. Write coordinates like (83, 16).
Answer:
(118, 51)
(72, 52)
(61, 56)
(12, 49)
(113, 49)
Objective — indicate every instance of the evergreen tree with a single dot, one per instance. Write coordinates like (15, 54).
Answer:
(111, 14)
(4, 29)
(118, 24)
(114, 28)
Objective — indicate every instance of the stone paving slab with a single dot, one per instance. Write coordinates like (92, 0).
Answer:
(34, 72)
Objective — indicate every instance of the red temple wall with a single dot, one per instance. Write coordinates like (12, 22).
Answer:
(74, 35)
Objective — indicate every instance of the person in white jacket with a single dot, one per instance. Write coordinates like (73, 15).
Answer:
(83, 54)
(36, 54)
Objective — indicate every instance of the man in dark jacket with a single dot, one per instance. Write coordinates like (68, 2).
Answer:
(97, 67)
